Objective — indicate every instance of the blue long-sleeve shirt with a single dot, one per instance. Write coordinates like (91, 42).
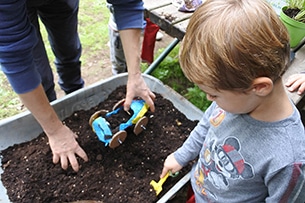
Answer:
(128, 13)
(18, 37)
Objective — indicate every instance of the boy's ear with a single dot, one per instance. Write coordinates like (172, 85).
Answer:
(262, 86)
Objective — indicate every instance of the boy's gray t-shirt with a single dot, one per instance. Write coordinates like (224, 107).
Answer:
(245, 160)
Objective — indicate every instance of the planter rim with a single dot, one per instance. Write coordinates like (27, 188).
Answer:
(290, 20)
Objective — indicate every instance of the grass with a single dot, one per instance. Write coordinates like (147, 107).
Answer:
(8, 99)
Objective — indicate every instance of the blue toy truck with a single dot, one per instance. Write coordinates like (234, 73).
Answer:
(101, 127)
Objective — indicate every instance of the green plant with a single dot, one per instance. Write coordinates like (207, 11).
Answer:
(197, 97)
(170, 73)
(300, 16)
(295, 3)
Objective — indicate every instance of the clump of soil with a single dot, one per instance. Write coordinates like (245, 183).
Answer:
(115, 175)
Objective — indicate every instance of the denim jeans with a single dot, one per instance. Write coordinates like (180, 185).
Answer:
(61, 22)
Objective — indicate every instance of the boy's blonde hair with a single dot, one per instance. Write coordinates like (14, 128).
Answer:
(229, 43)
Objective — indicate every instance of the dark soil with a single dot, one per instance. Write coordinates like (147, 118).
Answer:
(292, 12)
(115, 175)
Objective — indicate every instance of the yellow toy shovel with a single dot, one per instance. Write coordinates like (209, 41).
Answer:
(158, 185)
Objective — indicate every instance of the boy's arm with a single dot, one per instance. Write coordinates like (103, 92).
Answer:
(193, 144)
(287, 185)
(188, 151)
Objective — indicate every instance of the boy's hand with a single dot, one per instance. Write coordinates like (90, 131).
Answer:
(170, 164)
(296, 82)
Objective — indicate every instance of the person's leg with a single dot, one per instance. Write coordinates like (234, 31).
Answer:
(40, 56)
(117, 56)
(61, 22)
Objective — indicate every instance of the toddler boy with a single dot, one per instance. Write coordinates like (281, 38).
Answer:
(250, 143)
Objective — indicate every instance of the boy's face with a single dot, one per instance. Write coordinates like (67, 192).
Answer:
(233, 101)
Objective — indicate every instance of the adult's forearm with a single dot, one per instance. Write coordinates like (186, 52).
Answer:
(136, 86)
(132, 49)
(38, 104)
(61, 139)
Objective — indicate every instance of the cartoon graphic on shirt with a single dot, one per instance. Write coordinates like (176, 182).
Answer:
(217, 116)
(221, 163)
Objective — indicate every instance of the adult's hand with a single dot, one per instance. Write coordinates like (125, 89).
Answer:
(65, 148)
(136, 86)
(62, 140)
(296, 82)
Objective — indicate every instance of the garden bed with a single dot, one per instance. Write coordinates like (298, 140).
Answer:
(112, 175)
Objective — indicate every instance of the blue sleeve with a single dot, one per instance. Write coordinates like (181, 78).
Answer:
(128, 13)
(17, 39)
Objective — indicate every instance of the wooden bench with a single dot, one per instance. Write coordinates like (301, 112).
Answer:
(174, 23)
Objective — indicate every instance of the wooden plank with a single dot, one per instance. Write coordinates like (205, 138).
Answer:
(153, 4)
(182, 25)
(167, 17)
